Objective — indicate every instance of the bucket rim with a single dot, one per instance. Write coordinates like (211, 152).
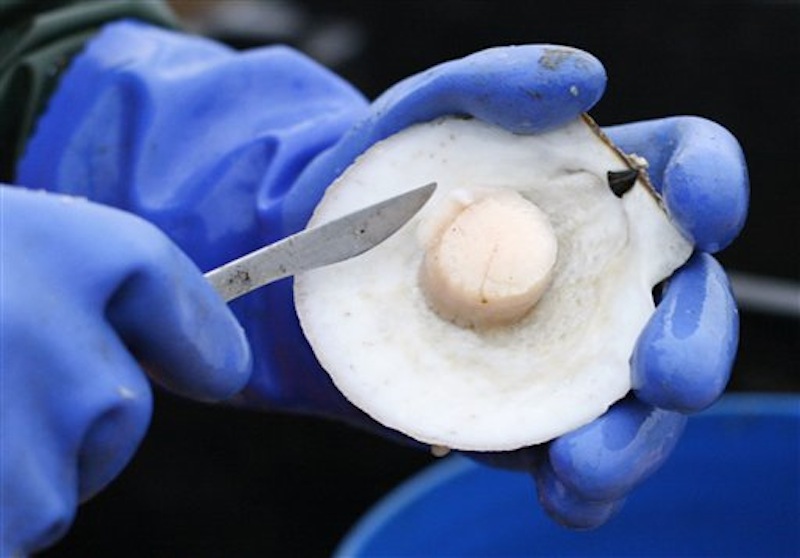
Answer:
(774, 404)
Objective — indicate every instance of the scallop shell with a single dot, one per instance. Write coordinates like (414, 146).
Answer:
(503, 388)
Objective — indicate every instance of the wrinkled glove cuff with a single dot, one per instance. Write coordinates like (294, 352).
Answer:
(38, 41)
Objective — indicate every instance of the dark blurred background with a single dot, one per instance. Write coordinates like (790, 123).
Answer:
(211, 481)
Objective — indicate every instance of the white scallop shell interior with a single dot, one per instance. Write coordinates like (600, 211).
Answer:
(503, 388)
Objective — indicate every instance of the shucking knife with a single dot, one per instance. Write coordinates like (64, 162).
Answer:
(331, 242)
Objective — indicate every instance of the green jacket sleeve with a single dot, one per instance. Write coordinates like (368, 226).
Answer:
(37, 41)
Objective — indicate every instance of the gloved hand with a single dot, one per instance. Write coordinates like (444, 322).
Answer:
(683, 359)
(204, 142)
(90, 296)
(225, 169)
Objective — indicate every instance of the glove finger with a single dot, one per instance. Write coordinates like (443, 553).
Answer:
(683, 358)
(122, 409)
(70, 431)
(524, 89)
(607, 458)
(700, 170)
(568, 508)
(106, 427)
(150, 292)
(175, 324)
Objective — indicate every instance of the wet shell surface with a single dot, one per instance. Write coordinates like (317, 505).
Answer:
(505, 312)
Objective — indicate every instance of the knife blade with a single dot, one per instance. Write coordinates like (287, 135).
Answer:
(329, 243)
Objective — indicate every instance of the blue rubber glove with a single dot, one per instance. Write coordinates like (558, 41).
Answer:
(203, 141)
(683, 359)
(197, 140)
(90, 296)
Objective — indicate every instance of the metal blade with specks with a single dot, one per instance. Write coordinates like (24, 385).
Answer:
(332, 242)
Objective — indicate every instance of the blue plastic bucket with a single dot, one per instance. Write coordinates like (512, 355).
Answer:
(730, 489)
